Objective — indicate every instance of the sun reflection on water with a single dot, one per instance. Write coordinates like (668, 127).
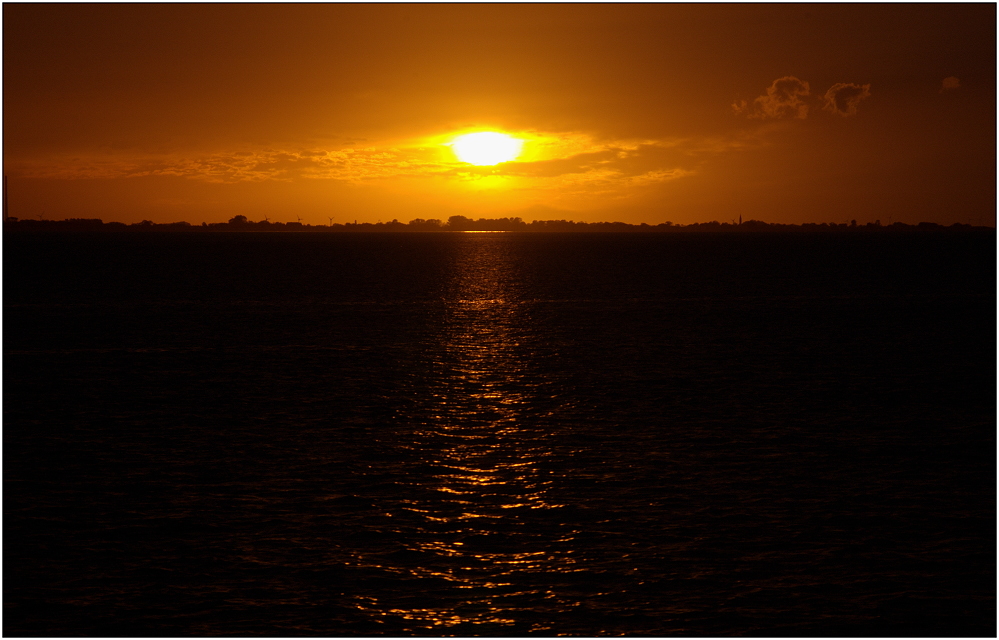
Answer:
(477, 512)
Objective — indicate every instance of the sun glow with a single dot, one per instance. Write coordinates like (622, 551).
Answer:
(486, 148)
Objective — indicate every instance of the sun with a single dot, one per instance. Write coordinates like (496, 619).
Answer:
(486, 148)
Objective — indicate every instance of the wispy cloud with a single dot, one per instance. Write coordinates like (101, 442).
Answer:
(567, 168)
(789, 97)
(843, 97)
(352, 164)
(783, 99)
(373, 163)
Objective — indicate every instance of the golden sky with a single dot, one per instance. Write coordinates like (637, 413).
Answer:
(635, 112)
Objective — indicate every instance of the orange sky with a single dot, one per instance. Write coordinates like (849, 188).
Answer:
(636, 113)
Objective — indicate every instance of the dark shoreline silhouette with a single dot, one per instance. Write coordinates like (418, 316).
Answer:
(462, 224)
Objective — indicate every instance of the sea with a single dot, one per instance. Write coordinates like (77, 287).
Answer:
(499, 434)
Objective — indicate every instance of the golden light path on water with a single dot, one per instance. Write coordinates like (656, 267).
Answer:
(481, 505)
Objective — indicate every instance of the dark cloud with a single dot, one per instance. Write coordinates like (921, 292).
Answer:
(843, 98)
(783, 99)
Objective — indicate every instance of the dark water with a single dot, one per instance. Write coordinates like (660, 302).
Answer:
(499, 434)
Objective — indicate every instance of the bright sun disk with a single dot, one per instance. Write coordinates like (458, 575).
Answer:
(486, 148)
